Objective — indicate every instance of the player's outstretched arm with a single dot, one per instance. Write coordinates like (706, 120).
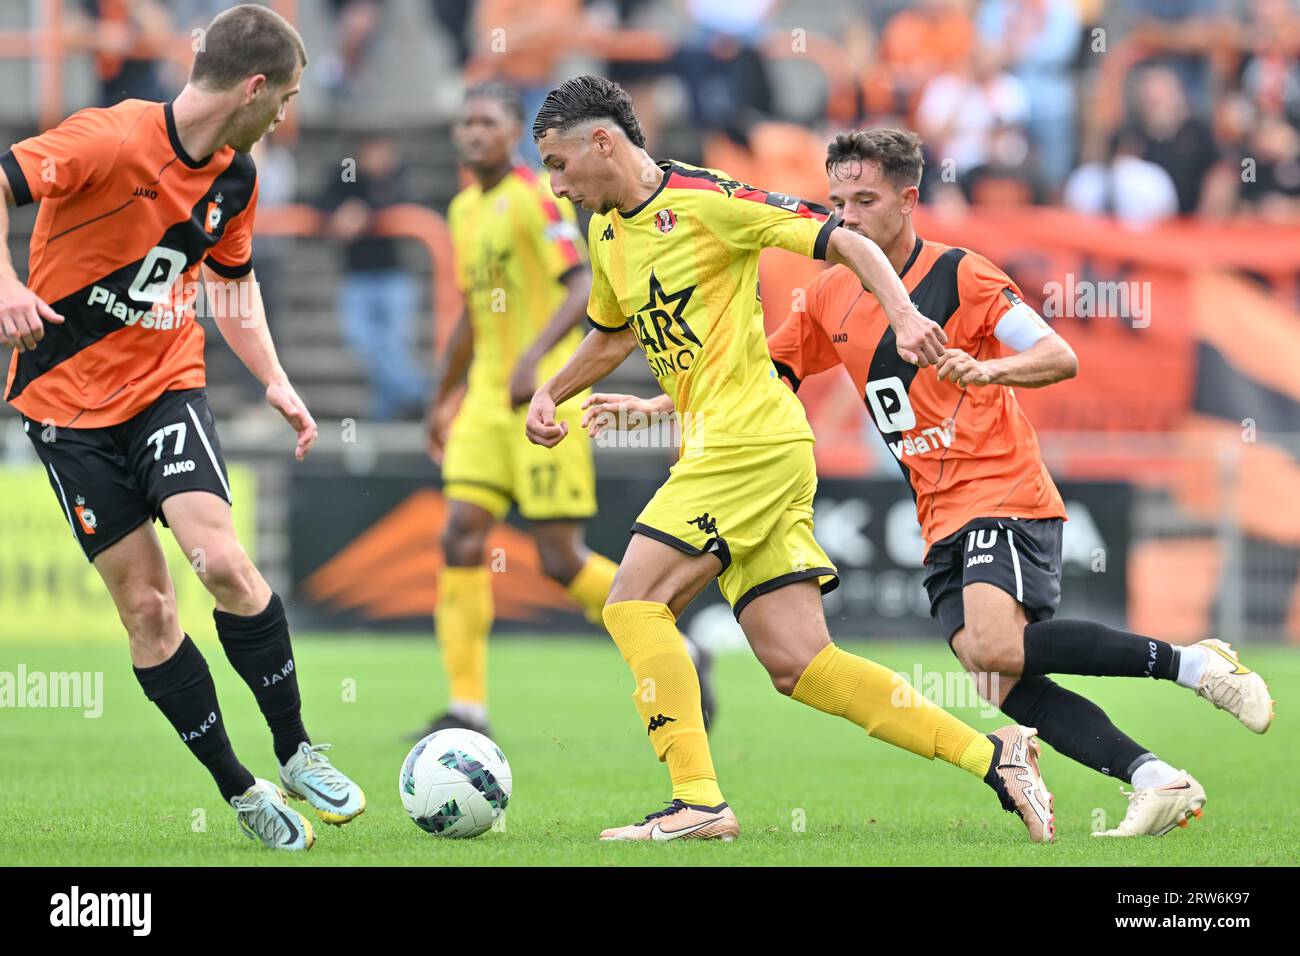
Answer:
(240, 315)
(22, 312)
(1046, 362)
(920, 341)
(598, 355)
(572, 311)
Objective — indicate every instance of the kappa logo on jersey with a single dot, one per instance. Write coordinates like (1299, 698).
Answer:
(87, 517)
(664, 335)
(890, 406)
(608, 233)
(705, 523)
(665, 219)
(213, 218)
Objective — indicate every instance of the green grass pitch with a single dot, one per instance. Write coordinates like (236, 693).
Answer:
(808, 789)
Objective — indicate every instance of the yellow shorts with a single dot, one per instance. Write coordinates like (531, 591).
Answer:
(750, 505)
(490, 462)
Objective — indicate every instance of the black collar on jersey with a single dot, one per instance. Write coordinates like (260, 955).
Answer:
(175, 138)
(667, 166)
(916, 251)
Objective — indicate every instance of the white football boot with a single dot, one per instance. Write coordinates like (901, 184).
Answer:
(1232, 686)
(1154, 811)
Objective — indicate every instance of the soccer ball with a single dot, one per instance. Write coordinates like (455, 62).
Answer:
(455, 783)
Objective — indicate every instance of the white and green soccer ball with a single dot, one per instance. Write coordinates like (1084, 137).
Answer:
(455, 783)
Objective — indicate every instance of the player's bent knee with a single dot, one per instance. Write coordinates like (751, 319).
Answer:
(149, 615)
(228, 574)
(993, 649)
(560, 564)
(464, 543)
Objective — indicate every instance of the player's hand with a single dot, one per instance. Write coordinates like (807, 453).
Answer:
(961, 369)
(523, 381)
(286, 401)
(604, 410)
(23, 316)
(437, 423)
(920, 341)
(540, 426)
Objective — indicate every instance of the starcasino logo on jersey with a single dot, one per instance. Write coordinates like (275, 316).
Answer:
(661, 328)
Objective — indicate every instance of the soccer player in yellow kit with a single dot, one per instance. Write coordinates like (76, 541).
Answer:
(674, 270)
(522, 267)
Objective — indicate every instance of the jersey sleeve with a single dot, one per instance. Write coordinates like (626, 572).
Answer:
(556, 235)
(603, 311)
(756, 219)
(799, 346)
(992, 306)
(77, 154)
(232, 257)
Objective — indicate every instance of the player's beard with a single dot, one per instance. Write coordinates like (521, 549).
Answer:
(248, 131)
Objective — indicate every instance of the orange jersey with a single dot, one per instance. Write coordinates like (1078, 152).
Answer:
(126, 217)
(966, 453)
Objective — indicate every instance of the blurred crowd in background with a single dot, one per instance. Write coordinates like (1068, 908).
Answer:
(1007, 94)
(1143, 110)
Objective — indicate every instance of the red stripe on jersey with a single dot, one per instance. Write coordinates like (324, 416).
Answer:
(552, 213)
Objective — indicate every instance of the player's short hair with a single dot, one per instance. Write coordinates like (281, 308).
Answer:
(503, 93)
(244, 41)
(896, 151)
(586, 98)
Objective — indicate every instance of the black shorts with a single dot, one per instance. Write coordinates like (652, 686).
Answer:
(1022, 556)
(109, 481)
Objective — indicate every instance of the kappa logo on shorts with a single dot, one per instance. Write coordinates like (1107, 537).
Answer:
(705, 523)
(87, 517)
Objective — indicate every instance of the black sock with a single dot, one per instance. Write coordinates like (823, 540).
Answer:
(182, 688)
(258, 649)
(1075, 727)
(1085, 647)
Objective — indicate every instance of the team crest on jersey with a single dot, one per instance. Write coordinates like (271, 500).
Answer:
(213, 218)
(85, 516)
(665, 220)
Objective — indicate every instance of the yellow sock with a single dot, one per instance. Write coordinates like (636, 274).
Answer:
(591, 585)
(890, 709)
(667, 696)
(463, 618)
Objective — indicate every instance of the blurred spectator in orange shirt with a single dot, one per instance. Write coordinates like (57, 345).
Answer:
(921, 42)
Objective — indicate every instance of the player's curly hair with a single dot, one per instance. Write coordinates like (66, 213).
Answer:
(896, 151)
(503, 93)
(586, 98)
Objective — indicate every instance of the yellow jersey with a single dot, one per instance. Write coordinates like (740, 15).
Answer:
(514, 245)
(681, 270)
